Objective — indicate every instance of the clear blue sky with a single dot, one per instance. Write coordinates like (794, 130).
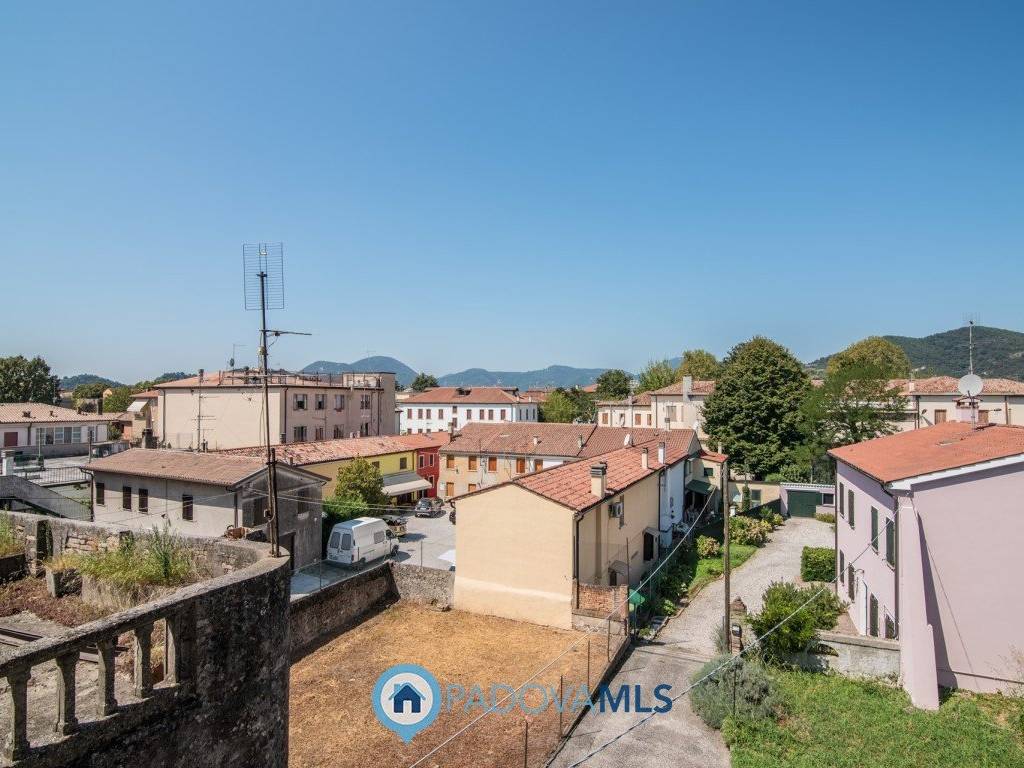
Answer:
(506, 185)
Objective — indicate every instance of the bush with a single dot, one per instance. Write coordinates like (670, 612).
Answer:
(776, 520)
(160, 559)
(826, 517)
(747, 680)
(708, 547)
(818, 564)
(793, 615)
(746, 530)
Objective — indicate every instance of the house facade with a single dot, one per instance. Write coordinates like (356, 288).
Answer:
(531, 548)
(37, 429)
(206, 494)
(922, 516)
(444, 408)
(224, 409)
(936, 400)
(428, 459)
(677, 406)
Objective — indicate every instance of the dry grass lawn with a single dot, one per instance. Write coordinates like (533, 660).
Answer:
(331, 716)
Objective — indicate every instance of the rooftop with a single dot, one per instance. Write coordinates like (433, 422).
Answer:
(697, 387)
(317, 451)
(549, 439)
(252, 378)
(472, 395)
(210, 468)
(951, 445)
(947, 385)
(422, 440)
(32, 413)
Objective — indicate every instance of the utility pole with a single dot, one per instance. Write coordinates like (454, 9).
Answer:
(723, 483)
(271, 463)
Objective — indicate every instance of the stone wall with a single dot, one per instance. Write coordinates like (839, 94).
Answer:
(855, 656)
(599, 601)
(427, 586)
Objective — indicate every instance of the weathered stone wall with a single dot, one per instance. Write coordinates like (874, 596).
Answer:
(855, 656)
(427, 586)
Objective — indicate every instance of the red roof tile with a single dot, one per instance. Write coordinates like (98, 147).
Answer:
(471, 395)
(549, 439)
(947, 385)
(932, 449)
(317, 451)
(209, 468)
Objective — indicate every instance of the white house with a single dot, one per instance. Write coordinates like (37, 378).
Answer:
(50, 430)
(443, 408)
(677, 406)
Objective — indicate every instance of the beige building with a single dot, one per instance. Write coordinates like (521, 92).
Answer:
(38, 429)
(677, 406)
(442, 408)
(224, 409)
(205, 494)
(936, 400)
(558, 545)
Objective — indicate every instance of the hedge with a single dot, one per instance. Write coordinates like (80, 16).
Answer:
(818, 564)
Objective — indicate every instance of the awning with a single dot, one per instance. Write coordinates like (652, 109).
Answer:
(402, 483)
(700, 487)
(137, 406)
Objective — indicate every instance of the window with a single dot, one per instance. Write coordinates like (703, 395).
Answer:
(604, 417)
(126, 497)
(890, 627)
(472, 462)
(186, 506)
(983, 417)
(469, 414)
(873, 616)
(318, 433)
(320, 402)
(431, 459)
(648, 419)
(940, 416)
(709, 471)
(300, 402)
(101, 494)
(636, 419)
(408, 413)
(502, 414)
(419, 413)
(842, 496)
(538, 465)
(492, 463)
(449, 489)
(755, 495)
(378, 537)
(874, 529)
(890, 541)
(449, 462)
(490, 414)
(339, 402)
(842, 567)
(520, 466)
(481, 414)
(419, 462)
(648, 546)
(337, 432)
(299, 434)
(364, 429)
(364, 402)
(428, 413)
(403, 462)
(440, 414)
(849, 504)
(828, 499)
(472, 487)
(144, 500)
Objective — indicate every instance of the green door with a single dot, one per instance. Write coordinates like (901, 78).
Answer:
(803, 503)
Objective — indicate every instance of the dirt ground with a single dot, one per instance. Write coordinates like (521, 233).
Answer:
(332, 722)
(29, 594)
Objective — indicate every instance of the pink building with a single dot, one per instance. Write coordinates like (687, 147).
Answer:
(929, 529)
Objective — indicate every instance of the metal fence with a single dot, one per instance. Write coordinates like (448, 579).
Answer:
(52, 475)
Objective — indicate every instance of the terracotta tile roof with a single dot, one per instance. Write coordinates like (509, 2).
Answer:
(569, 484)
(40, 413)
(421, 440)
(149, 393)
(549, 439)
(714, 456)
(946, 385)
(644, 398)
(317, 451)
(277, 379)
(932, 449)
(210, 468)
(699, 387)
(471, 395)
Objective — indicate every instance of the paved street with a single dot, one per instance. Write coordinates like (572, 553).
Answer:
(679, 738)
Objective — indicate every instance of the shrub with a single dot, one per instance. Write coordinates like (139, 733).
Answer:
(818, 564)
(160, 559)
(776, 520)
(826, 517)
(746, 530)
(792, 615)
(708, 547)
(747, 680)
(9, 545)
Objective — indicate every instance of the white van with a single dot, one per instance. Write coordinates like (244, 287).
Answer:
(360, 540)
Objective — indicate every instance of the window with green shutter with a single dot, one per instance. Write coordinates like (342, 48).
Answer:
(849, 504)
(874, 529)
(842, 497)
(890, 542)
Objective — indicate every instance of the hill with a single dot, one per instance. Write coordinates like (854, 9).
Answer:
(70, 382)
(998, 353)
(552, 376)
(403, 373)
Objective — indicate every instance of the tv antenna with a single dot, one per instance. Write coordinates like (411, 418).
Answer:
(972, 319)
(234, 346)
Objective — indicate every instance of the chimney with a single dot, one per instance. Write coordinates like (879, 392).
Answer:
(644, 460)
(536, 441)
(579, 442)
(599, 479)
(687, 385)
(911, 385)
(661, 453)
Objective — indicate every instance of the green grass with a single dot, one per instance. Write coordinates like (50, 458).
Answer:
(158, 559)
(841, 723)
(9, 545)
(710, 568)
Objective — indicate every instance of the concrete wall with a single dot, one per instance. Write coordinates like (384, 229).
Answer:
(437, 417)
(426, 586)
(854, 656)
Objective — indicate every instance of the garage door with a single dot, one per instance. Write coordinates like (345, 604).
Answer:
(802, 503)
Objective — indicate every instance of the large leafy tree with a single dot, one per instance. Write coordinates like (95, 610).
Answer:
(423, 382)
(700, 364)
(119, 399)
(655, 375)
(874, 352)
(853, 404)
(91, 390)
(568, 406)
(755, 410)
(612, 385)
(27, 381)
(361, 479)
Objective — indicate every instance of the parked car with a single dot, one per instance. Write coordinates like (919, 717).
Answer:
(451, 516)
(426, 507)
(396, 524)
(358, 541)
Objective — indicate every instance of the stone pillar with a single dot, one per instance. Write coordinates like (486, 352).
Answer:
(67, 721)
(16, 744)
(737, 615)
(143, 664)
(106, 701)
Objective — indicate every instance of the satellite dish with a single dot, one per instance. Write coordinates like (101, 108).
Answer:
(970, 385)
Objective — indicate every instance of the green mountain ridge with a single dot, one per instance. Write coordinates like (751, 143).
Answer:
(998, 353)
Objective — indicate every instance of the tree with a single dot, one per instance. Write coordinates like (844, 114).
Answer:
(613, 385)
(119, 399)
(755, 410)
(655, 376)
(853, 404)
(27, 381)
(700, 364)
(568, 406)
(873, 351)
(360, 479)
(89, 391)
(423, 382)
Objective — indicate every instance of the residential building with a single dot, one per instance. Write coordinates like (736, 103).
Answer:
(428, 459)
(936, 400)
(394, 458)
(539, 547)
(144, 416)
(922, 518)
(442, 408)
(38, 429)
(677, 406)
(206, 494)
(224, 409)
